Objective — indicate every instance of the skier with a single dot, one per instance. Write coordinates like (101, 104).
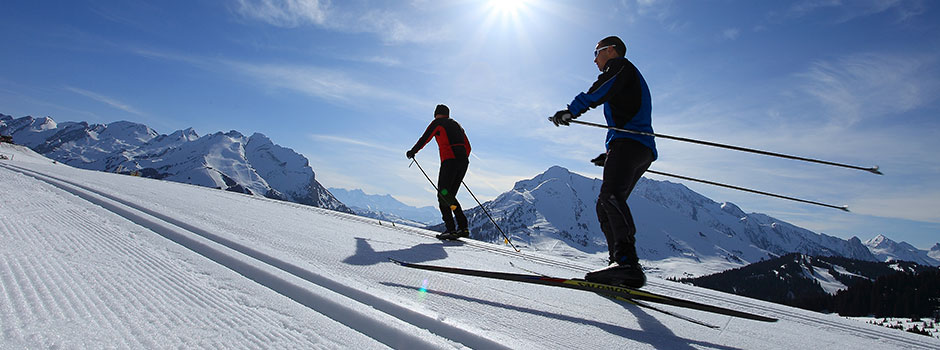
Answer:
(627, 105)
(454, 148)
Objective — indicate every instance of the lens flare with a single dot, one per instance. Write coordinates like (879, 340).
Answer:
(423, 291)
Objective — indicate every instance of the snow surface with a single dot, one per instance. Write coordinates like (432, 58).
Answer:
(827, 281)
(99, 260)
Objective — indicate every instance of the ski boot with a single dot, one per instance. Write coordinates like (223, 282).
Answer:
(448, 235)
(627, 275)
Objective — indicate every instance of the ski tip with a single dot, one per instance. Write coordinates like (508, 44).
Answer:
(845, 208)
(398, 262)
(874, 170)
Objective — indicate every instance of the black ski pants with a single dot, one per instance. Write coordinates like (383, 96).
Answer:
(626, 162)
(448, 183)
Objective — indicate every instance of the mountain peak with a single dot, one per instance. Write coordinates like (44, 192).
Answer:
(732, 209)
(44, 123)
(556, 172)
(887, 250)
(879, 241)
(259, 138)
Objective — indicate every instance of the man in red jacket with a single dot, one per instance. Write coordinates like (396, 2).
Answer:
(454, 147)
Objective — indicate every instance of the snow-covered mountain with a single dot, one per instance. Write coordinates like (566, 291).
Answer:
(230, 161)
(386, 207)
(680, 232)
(885, 249)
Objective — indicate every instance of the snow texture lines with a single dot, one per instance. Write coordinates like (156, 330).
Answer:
(269, 271)
(63, 275)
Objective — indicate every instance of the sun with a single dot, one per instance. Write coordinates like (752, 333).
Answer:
(508, 7)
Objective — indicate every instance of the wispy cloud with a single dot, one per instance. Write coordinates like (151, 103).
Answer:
(918, 204)
(334, 85)
(325, 83)
(105, 99)
(663, 11)
(730, 33)
(384, 60)
(391, 25)
(284, 13)
(872, 85)
(350, 141)
(846, 11)
(394, 28)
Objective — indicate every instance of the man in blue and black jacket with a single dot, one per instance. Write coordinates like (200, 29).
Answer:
(627, 105)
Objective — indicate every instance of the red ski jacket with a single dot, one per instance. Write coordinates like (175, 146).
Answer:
(451, 139)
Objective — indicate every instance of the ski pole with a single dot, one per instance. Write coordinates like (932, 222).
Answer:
(491, 218)
(873, 170)
(843, 207)
(451, 205)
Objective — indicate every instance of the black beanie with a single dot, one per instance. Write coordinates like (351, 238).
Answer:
(442, 109)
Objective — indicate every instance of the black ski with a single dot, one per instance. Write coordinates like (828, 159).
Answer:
(603, 289)
(633, 302)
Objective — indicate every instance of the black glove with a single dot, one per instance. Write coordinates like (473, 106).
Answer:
(562, 117)
(600, 160)
(410, 154)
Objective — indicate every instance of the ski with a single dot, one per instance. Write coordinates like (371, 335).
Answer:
(579, 284)
(633, 302)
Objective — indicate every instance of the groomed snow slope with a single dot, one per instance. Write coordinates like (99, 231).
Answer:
(98, 260)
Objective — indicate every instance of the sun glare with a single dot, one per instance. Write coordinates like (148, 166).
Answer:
(508, 7)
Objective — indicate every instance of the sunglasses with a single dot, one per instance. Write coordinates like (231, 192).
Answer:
(599, 49)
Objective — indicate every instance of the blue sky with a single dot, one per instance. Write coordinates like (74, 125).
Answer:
(352, 84)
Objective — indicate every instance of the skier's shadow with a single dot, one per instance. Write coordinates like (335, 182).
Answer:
(651, 330)
(366, 256)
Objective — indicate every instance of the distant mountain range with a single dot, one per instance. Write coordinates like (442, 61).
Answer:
(386, 207)
(887, 250)
(229, 161)
(680, 232)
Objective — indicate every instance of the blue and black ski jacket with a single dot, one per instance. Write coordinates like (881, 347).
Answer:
(626, 99)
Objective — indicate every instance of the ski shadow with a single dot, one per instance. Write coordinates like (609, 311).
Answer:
(651, 331)
(365, 255)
